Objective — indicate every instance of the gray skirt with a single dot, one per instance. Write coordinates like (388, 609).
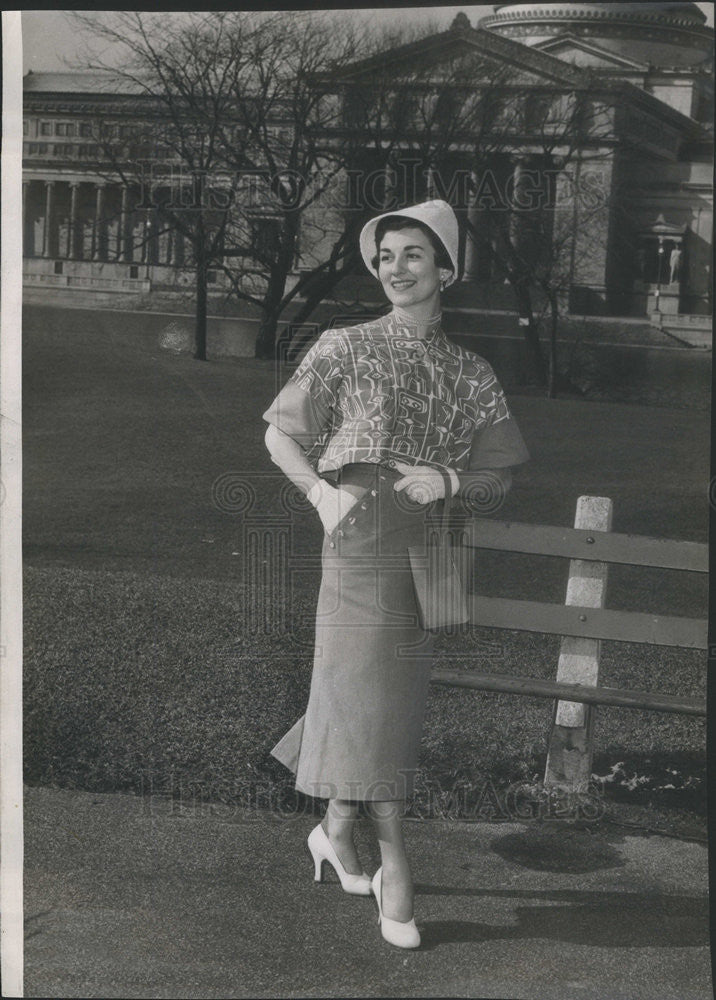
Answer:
(360, 736)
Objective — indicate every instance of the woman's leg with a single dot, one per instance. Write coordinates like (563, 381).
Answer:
(397, 882)
(338, 825)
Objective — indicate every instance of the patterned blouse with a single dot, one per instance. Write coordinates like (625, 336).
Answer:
(377, 393)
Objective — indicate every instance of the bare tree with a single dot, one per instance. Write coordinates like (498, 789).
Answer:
(180, 75)
(516, 162)
(286, 119)
(401, 117)
(269, 138)
(547, 191)
(228, 147)
(255, 135)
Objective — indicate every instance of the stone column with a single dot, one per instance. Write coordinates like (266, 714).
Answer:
(390, 184)
(179, 252)
(47, 246)
(471, 269)
(171, 247)
(122, 227)
(155, 242)
(72, 241)
(593, 267)
(25, 225)
(146, 238)
(515, 195)
(98, 240)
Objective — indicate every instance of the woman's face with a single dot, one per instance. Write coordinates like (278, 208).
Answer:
(407, 268)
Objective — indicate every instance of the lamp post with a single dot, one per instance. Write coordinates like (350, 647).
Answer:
(147, 243)
(659, 272)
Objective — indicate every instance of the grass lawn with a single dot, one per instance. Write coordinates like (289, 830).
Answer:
(160, 652)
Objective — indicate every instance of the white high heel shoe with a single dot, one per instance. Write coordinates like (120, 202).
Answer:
(403, 934)
(322, 850)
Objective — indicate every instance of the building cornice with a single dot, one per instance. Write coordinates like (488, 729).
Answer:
(568, 12)
(590, 47)
(48, 103)
(637, 97)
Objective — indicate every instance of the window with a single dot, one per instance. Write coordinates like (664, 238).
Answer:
(211, 277)
(139, 150)
(58, 267)
(537, 110)
(63, 149)
(64, 128)
(133, 271)
(85, 129)
(492, 109)
(45, 128)
(447, 108)
(403, 109)
(25, 127)
(358, 105)
(265, 236)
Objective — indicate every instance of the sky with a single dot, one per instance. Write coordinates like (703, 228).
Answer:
(49, 39)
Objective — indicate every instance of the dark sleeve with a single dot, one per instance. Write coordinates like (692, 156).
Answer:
(497, 446)
(497, 443)
(304, 408)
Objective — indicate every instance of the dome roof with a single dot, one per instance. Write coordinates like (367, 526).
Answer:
(688, 10)
(662, 34)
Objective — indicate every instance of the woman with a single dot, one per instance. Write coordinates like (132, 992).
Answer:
(395, 417)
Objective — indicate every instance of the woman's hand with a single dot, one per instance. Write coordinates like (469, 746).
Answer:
(421, 483)
(333, 505)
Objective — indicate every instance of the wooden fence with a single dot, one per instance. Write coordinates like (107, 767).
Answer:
(583, 622)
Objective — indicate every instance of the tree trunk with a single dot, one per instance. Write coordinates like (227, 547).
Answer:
(554, 316)
(265, 347)
(529, 328)
(315, 289)
(200, 315)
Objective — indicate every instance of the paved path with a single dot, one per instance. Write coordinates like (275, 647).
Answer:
(124, 898)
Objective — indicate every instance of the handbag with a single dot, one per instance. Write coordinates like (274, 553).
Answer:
(439, 592)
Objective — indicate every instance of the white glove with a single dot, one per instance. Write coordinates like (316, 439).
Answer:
(331, 502)
(422, 483)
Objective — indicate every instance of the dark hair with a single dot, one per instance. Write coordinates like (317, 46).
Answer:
(394, 223)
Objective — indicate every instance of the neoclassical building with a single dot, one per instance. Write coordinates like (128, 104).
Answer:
(648, 252)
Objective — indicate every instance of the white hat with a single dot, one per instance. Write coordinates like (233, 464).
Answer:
(436, 215)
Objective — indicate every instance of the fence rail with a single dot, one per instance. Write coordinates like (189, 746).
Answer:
(585, 543)
(589, 623)
(538, 688)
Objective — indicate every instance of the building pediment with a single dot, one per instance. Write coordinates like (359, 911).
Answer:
(525, 65)
(577, 52)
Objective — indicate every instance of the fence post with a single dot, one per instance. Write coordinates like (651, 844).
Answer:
(569, 755)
